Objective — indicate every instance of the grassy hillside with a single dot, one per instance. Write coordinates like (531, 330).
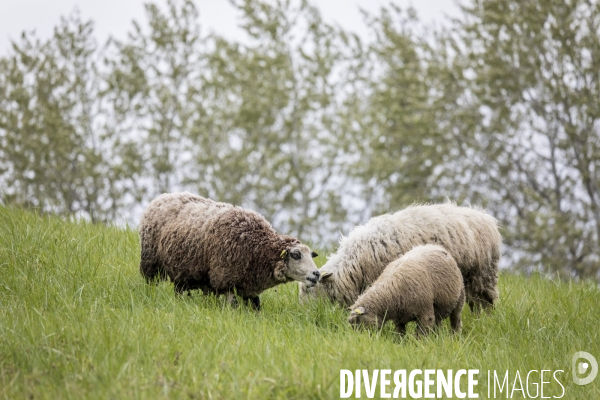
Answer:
(78, 321)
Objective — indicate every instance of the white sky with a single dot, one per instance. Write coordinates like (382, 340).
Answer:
(113, 17)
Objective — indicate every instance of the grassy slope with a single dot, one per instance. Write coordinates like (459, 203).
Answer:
(77, 321)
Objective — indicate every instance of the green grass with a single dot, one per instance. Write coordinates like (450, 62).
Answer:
(78, 321)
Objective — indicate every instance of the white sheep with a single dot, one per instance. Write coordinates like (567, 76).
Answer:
(470, 235)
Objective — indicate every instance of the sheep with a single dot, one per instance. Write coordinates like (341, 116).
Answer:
(218, 248)
(424, 285)
(471, 237)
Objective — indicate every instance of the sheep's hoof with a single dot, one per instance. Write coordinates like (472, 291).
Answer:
(255, 301)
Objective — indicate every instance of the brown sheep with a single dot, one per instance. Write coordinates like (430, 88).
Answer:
(424, 285)
(218, 248)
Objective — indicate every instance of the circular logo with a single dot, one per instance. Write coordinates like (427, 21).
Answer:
(584, 363)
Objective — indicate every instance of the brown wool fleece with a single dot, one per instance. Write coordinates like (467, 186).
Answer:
(470, 235)
(216, 247)
(424, 285)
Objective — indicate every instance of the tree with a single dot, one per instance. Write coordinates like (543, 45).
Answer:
(153, 88)
(404, 153)
(54, 143)
(531, 68)
(271, 124)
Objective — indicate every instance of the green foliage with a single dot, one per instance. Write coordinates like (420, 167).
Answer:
(533, 84)
(78, 321)
(403, 144)
(53, 137)
(251, 124)
(153, 87)
(272, 107)
(318, 129)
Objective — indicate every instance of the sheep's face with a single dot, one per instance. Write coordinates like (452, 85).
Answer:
(309, 292)
(300, 265)
(360, 317)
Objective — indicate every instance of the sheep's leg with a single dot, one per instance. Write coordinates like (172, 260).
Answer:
(480, 302)
(455, 319)
(231, 299)
(180, 288)
(400, 328)
(438, 323)
(482, 291)
(254, 301)
(477, 303)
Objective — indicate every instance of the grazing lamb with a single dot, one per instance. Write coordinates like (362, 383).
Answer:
(470, 236)
(219, 248)
(424, 285)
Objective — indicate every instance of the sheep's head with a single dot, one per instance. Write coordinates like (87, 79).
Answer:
(359, 316)
(307, 292)
(298, 265)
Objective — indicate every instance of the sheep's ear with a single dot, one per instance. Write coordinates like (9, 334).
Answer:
(359, 310)
(283, 253)
(313, 254)
(325, 276)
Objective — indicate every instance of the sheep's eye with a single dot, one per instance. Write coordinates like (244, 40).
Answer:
(296, 255)
(314, 254)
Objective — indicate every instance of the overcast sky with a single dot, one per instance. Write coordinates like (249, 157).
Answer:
(113, 17)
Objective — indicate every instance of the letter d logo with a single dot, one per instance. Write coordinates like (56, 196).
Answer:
(581, 368)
